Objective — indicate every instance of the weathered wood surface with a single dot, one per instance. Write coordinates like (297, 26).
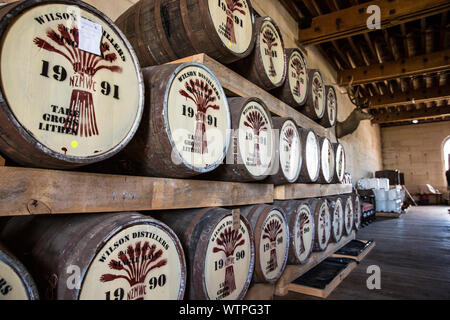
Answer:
(240, 86)
(36, 191)
(361, 256)
(302, 191)
(292, 272)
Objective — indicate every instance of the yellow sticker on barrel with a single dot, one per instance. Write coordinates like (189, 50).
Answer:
(233, 23)
(228, 261)
(141, 262)
(60, 93)
(272, 52)
(11, 285)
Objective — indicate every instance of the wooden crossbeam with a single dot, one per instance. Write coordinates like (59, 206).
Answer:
(419, 65)
(420, 114)
(353, 21)
(416, 96)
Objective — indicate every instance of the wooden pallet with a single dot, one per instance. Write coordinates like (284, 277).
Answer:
(301, 191)
(388, 215)
(239, 86)
(26, 191)
(323, 293)
(361, 256)
(292, 272)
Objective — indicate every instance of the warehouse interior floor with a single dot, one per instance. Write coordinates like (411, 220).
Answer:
(413, 253)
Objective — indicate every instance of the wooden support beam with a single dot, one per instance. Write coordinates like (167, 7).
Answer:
(2, 161)
(419, 65)
(420, 114)
(302, 191)
(419, 96)
(353, 21)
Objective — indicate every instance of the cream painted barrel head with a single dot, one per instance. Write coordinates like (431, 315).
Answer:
(197, 116)
(327, 159)
(340, 163)
(272, 52)
(312, 159)
(290, 150)
(15, 281)
(298, 77)
(233, 23)
(144, 261)
(323, 225)
(337, 219)
(331, 106)
(71, 87)
(229, 260)
(348, 215)
(318, 94)
(256, 139)
(358, 212)
(304, 233)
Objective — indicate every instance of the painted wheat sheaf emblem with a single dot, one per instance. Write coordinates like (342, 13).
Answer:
(133, 266)
(297, 65)
(232, 7)
(203, 96)
(64, 42)
(271, 42)
(227, 242)
(304, 220)
(271, 232)
(317, 91)
(289, 139)
(256, 122)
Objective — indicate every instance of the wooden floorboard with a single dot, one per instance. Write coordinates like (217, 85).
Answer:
(413, 254)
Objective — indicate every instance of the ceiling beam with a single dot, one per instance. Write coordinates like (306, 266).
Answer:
(419, 65)
(420, 114)
(353, 21)
(402, 98)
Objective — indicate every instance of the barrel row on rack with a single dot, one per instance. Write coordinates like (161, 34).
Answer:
(201, 254)
(63, 106)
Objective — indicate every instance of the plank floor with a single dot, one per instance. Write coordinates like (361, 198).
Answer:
(413, 253)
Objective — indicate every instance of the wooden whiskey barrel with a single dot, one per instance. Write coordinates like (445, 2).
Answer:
(331, 108)
(185, 126)
(166, 30)
(310, 156)
(341, 162)
(348, 214)
(252, 149)
(357, 210)
(295, 88)
(322, 221)
(63, 104)
(220, 258)
(327, 161)
(301, 229)
(288, 158)
(271, 234)
(114, 256)
(267, 65)
(315, 103)
(15, 281)
(337, 218)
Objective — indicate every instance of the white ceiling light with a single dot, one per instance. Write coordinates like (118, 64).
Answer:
(415, 121)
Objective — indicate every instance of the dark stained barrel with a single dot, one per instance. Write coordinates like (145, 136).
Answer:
(341, 163)
(288, 159)
(166, 30)
(295, 88)
(62, 103)
(331, 108)
(252, 149)
(271, 234)
(301, 229)
(327, 161)
(322, 221)
(315, 103)
(267, 65)
(113, 256)
(15, 281)
(310, 157)
(357, 208)
(185, 129)
(220, 258)
(337, 218)
(348, 214)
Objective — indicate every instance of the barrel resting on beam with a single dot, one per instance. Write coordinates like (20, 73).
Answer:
(36, 191)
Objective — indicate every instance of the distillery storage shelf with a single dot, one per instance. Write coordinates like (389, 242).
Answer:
(302, 191)
(239, 86)
(292, 272)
